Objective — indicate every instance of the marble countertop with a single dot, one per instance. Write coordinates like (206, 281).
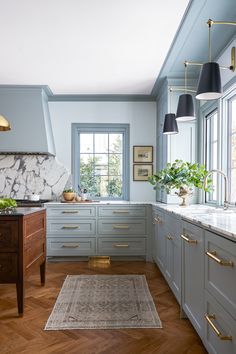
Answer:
(22, 211)
(213, 219)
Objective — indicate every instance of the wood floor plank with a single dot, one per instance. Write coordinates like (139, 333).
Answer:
(26, 335)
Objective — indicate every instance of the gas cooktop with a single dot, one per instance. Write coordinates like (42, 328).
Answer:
(31, 203)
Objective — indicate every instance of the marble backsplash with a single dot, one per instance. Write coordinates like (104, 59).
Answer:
(21, 175)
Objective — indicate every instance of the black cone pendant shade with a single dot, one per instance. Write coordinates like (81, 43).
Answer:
(170, 124)
(185, 109)
(209, 84)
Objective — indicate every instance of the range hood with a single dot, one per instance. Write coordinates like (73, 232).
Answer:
(27, 110)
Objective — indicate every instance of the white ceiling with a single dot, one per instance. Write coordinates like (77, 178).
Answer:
(87, 46)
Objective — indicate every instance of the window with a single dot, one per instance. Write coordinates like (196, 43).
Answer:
(232, 147)
(211, 151)
(100, 159)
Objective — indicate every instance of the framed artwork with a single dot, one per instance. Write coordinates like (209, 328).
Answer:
(142, 172)
(143, 154)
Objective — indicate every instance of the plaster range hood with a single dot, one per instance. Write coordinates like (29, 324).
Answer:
(27, 110)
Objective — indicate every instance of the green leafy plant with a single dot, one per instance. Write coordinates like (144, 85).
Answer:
(68, 190)
(6, 203)
(181, 174)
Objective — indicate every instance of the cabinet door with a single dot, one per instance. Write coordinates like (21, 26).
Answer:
(193, 274)
(160, 240)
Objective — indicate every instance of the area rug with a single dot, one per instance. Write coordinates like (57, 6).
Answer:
(104, 302)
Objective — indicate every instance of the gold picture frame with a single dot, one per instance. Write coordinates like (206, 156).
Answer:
(143, 154)
(141, 172)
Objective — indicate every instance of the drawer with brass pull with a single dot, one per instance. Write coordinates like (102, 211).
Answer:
(220, 270)
(220, 328)
(121, 246)
(71, 211)
(120, 211)
(120, 226)
(71, 246)
(70, 227)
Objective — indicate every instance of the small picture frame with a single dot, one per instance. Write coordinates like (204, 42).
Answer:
(142, 172)
(143, 154)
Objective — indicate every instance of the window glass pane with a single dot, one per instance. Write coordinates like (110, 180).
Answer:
(103, 186)
(115, 164)
(86, 143)
(101, 164)
(115, 143)
(101, 143)
(215, 126)
(114, 187)
(234, 116)
(232, 149)
(233, 187)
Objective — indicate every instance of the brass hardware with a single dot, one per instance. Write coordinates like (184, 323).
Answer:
(213, 256)
(157, 220)
(121, 227)
(99, 261)
(70, 246)
(70, 227)
(233, 61)
(70, 212)
(209, 319)
(4, 124)
(211, 22)
(121, 246)
(169, 237)
(120, 212)
(187, 239)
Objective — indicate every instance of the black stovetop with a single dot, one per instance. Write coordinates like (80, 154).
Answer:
(32, 203)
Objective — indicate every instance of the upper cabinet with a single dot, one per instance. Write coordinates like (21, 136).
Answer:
(26, 108)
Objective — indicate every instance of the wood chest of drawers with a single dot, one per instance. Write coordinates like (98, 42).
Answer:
(22, 247)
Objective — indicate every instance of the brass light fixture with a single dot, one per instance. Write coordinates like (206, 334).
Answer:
(185, 108)
(4, 124)
(170, 124)
(209, 84)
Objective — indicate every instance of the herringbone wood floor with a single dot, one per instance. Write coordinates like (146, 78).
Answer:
(26, 335)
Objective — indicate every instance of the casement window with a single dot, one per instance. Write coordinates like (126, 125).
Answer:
(211, 150)
(231, 158)
(100, 156)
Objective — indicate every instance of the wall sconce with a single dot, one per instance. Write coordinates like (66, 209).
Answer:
(185, 108)
(4, 124)
(170, 124)
(209, 83)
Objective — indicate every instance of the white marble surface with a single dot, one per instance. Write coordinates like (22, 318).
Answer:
(21, 175)
(212, 219)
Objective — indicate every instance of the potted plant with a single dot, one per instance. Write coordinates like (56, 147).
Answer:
(7, 205)
(69, 194)
(183, 176)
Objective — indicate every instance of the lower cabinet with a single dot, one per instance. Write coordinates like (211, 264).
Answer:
(167, 248)
(193, 274)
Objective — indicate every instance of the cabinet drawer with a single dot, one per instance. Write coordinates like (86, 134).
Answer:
(8, 267)
(220, 270)
(220, 328)
(72, 227)
(118, 211)
(9, 236)
(71, 246)
(122, 226)
(119, 246)
(158, 216)
(71, 211)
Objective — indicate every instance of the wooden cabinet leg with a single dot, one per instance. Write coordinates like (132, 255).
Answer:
(20, 297)
(42, 272)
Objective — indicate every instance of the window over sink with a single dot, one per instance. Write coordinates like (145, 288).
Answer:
(100, 155)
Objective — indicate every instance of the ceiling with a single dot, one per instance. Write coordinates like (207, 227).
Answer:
(87, 46)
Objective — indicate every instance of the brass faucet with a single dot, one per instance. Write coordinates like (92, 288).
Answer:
(226, 196)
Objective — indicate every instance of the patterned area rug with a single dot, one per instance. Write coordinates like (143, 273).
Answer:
(104, 302)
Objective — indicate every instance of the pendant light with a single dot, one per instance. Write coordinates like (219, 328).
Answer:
(4, 124)
(170, 124)
(185, 108)
(209, 84)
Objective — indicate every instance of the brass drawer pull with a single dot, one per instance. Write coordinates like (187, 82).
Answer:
(121, 227)
(69, 246)
(213, 256)
(120, 212)
(69, 212)
(70, 227)
(169, 237)
(209, 319)
(157, 220)
(120, 245)
(187, 239)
